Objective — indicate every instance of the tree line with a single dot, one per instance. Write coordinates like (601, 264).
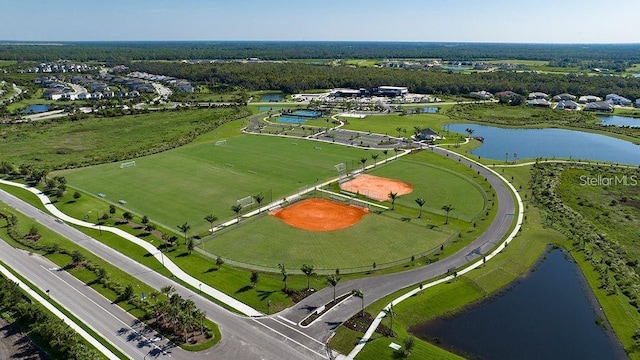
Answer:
(298, 77)
(119, 52)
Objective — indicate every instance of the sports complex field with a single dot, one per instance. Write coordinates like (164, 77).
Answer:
(439, 181)
(189, 182)
(268, 241)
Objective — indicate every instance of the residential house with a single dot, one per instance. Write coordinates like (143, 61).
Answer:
(506, 94)
(589, 99)
(637, 103)
(567, 105)
(600, 106)
(564, 96)
(616, 99)
(537, 95)
(538, 103)
(482, 95)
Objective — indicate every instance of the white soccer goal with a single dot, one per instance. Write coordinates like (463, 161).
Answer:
(245, 201)
(127, 164)
(342, 167)
(221, 142)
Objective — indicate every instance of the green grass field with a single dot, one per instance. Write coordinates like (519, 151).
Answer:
(61, 143)
(439, 181)
(267, 241)
(187, 183)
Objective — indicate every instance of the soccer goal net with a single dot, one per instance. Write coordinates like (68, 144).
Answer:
(340, 168)
(245, 201)
(221, 142)
(127, 164)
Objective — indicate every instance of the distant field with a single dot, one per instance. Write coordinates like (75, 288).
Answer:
(92, 140)
(267, 241)
(189, 182)
(437, 184)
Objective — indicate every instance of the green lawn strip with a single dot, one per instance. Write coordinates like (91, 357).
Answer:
(42, 342)
(113, 272)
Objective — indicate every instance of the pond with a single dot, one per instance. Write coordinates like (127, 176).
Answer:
(548, 314)
(550, 143)
(275, 97)
(616, 120)
(291, 119)
(35, 109)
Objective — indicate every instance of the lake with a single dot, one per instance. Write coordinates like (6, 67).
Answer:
(547, 314)
(616, 120)
(35, 109)
(550, 143)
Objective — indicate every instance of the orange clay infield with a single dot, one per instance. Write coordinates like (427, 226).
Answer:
(320, 215)
(375, 187)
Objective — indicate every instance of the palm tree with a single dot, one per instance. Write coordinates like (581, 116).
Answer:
(190, 245)
(416, 131)
(184, 228)
(283, 271)
(420, 202)
(469, 131)
(388, 311)
(254, 278)
(258, 198)
(385, 152)
(308, 271)
(363, 160)
(448, 208)
(393, 195)
(360, 294)
(333, 281)
(374, 157)
(211, 219)
(236, 209)
(399, 130)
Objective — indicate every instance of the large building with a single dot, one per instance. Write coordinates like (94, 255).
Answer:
(393, 90)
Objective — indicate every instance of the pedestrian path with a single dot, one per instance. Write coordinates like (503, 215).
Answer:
(170, 265)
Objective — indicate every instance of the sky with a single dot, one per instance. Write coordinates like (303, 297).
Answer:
(540, 21)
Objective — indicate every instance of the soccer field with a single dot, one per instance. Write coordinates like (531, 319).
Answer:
(189, 182)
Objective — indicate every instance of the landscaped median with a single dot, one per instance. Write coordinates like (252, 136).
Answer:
(174, 269)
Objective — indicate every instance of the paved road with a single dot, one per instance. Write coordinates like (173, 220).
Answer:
(124, 331)
(242, 338)
(377, 287)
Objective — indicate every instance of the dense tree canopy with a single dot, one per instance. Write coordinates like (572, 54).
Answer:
(296, 77)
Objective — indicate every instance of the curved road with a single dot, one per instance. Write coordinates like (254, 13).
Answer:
(377, 287)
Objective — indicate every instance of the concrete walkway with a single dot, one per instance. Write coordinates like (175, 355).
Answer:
(172, 267)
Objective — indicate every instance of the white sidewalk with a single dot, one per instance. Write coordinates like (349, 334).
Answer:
(172, 267)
